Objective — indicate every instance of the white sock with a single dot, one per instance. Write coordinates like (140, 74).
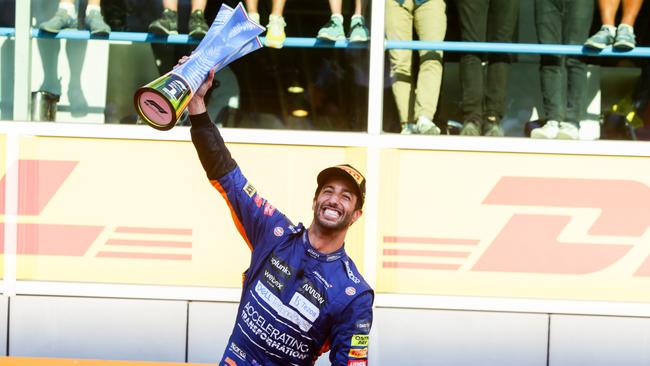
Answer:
(623, 25)
(610, 28)
(357, 16)
(69, 8)
(338, 18)
(90, 8)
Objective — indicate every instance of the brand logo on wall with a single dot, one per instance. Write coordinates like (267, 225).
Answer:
(528, 243)
(39, 182)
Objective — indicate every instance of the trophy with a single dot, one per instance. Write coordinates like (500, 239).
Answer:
(231, 36)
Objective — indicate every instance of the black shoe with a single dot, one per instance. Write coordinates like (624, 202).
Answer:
(165, 25)
(491, 127)
(197, 25)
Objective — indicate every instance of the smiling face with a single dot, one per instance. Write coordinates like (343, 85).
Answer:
(335, 206)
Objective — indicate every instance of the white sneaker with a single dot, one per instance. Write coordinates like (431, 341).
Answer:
(425, 126)
(254, 17)
(548, 131)
(589, 130)
(567, 131)
(275, 35)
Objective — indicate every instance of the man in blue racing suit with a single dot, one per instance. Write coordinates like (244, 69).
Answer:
(302, 294)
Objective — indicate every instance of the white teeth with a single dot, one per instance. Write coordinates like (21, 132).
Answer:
(331, 213)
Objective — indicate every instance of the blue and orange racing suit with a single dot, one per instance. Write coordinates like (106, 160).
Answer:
(296, 302)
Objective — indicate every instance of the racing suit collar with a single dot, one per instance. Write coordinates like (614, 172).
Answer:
(318, 255)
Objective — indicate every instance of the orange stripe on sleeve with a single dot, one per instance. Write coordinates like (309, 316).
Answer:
(238, 224)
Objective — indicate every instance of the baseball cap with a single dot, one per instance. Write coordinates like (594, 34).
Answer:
(348, 172)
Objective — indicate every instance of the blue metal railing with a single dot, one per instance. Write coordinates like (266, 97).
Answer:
(303, 42)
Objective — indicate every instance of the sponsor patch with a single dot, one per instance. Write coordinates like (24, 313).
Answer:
(259, 201)
(230, 362)
(350, 291)
(332, 257)
(268, 209)
(272, 281)
(284, 311)
(312, 293)
(351, 275)
(363, 325)
(249, 189)
(278, 231)
(305, 307)
(281, 267)
(238, 351)
(322, 279)
(358, 352)
(358, 363)
(359, 340)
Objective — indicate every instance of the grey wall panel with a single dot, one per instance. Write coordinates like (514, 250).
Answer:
(210, 324)
(599, 341)
(432, 337)
(118, 329)
(4, 308)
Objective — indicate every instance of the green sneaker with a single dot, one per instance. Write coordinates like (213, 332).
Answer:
(60, 20)
(358, 30)
(165, 25)
(408, 128)
(96, 25)
(471, 128)
(197, 25)
(332, 31)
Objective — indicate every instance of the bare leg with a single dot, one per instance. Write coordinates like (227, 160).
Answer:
(630, 11)
(278, 7)
(198, 5)
(336, 6)
(170, 4)
(360, 7)
(251, 6)
(608, 9)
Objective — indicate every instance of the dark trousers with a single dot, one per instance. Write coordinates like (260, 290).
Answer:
(563, 78)
(485, 21)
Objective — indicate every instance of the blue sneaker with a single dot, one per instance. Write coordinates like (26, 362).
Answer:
(358, 30)
(625, 39)
(332, 31)
(601, 39)
(61, 20)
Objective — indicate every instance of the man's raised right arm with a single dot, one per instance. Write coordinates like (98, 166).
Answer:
(214, 155)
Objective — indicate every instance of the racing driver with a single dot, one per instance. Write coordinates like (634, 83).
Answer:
(302, 294)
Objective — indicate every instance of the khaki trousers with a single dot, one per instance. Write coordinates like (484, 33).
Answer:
(430, 22)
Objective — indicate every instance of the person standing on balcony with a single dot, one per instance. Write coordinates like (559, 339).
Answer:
(562, 22)
(484, 98)
(333, 30)
(275, 35)
(622, 37)
(66, 17)
(168, 23)
(429, 19)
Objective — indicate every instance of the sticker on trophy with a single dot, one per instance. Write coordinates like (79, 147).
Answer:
(232, 35)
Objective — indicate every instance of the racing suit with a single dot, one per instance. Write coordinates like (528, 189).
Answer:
(296, 302)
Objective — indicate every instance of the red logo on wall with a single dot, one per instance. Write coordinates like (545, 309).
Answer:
(529, 243)
(38, 182)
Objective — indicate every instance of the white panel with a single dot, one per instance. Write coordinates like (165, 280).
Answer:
(599, 341)
(115, 329)
(210, 325)
(428, 337)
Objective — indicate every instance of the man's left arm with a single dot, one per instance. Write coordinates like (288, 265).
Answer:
(350, 336)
